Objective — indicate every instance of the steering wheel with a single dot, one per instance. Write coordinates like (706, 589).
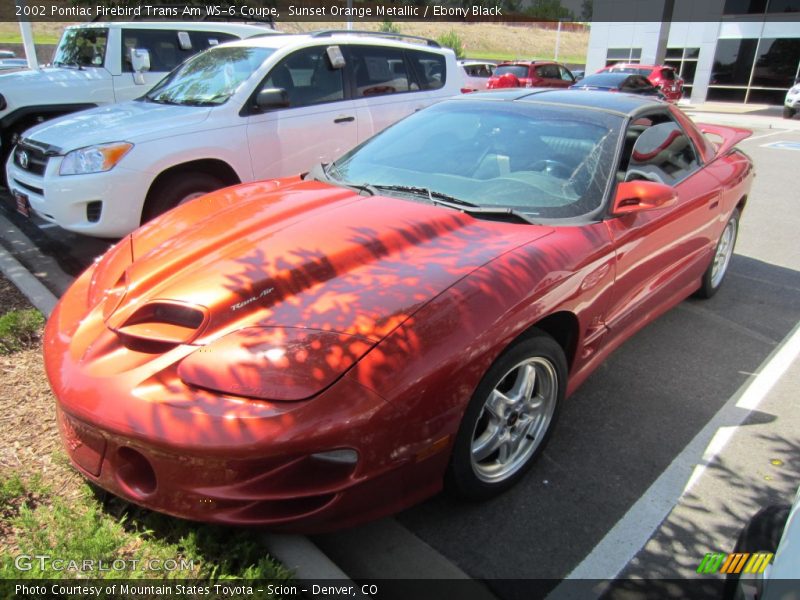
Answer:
(552, 167)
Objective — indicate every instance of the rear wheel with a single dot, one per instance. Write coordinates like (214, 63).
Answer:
(715, 274)
(509, 419)
(175, 189)
(788, 112)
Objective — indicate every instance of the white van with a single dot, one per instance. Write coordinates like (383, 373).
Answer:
(258, 108)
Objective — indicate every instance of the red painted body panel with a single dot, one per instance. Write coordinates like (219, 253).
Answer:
(671, 88)
(315, 320)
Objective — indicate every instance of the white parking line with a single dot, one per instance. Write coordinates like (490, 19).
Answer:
(758, 137)
(633, 531)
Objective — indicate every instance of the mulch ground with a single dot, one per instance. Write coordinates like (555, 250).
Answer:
(29, 440)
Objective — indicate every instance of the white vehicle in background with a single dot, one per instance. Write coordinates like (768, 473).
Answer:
(476, 74)
(792, 103)
(260, 108)
(92, 66)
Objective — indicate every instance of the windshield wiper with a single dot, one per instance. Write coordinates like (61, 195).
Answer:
(322, 172)
(442, 199)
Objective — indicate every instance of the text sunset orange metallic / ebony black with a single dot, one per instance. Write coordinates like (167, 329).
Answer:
(312, 352)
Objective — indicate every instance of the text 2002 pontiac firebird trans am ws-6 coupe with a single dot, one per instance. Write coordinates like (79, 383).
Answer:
(310, 352)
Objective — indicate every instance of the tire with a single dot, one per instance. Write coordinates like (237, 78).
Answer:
(716, 271)
(501, 434)
(176, 189)
(762, 533)
(788, 112)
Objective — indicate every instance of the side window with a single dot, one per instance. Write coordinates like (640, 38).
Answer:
(668, 74)
(378, 71)
(430, 69)
(661, 152)
(307, 77)
(541, 72)
(164, 46)
(565, 75)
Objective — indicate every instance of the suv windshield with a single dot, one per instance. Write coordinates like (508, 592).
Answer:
(209, 78)
(545, 162)
(81, 48)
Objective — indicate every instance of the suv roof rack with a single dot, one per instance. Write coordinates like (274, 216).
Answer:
(386, 34)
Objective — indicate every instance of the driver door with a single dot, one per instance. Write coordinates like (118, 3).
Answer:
(662, 253)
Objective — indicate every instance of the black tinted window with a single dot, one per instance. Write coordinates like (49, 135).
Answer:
(165, 48)
(308, 78)
(430, 69)
(662, 153)
(378, 71)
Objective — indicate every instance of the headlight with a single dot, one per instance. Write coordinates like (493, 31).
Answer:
(795, 90)
(94, 159)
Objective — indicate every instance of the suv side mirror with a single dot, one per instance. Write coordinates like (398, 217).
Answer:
(636, 196)
(271, 99)
(140, 61)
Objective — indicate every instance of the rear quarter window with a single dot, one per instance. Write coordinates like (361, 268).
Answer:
(430, 69)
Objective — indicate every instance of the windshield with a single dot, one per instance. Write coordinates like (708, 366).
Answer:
(81, 48)
(516, 70)
(547, 162)
(209, 78)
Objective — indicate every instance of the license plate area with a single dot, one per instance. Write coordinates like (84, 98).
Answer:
(23, 205)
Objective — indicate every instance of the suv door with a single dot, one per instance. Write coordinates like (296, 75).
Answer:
(388, 84)
(318, 125)
(167, 47)
(661, 254)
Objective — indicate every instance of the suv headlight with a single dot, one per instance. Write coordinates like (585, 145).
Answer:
(94, 159)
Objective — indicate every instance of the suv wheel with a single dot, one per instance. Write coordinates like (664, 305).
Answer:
(176, 189)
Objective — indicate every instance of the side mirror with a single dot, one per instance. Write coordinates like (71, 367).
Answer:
(636, 196)
(140, 61)
(272, 98)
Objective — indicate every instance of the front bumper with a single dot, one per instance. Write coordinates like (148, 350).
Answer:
(130, 425)
(68, 200)
(792, 101)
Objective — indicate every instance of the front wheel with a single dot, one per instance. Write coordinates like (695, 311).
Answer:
(788, 112)
(177, 189)
(716, 271)
(509, 419)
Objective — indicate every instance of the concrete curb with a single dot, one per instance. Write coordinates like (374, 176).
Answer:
(38, 295)
(296, 553)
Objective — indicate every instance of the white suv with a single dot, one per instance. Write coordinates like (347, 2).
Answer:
(792, 103)
(92, 65)
(259, 108)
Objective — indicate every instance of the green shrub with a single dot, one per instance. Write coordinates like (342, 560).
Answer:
(19, 329)
(389, 27)
(453, 41)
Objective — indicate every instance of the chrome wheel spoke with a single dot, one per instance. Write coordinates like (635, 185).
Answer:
(524, 384)
(497, 404)
(487, 443)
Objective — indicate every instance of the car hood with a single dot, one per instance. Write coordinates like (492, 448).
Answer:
(300, 254)
(26, 87)
(134, 121)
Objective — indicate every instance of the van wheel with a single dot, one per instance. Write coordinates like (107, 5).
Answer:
(788, 112)
(175, 189)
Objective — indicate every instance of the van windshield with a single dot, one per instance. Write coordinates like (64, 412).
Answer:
(209, 78)
(81, 48)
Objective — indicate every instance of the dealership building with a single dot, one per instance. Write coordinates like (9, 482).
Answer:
(744, 51)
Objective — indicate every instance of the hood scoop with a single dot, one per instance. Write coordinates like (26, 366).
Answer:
(160, 324)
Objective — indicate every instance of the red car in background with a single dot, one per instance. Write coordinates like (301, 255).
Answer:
(539, 73)
(310, 352)
(664, 78)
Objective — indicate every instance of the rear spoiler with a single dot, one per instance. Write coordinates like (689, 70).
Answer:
(730, 136)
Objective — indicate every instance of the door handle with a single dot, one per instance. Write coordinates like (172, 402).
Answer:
(344, 119)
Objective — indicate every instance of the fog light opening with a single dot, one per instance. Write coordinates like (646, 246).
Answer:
(135, 473)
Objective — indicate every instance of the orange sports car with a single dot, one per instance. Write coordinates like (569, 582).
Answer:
(310, 352)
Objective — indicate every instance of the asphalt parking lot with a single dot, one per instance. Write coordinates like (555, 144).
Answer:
(620, 435)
